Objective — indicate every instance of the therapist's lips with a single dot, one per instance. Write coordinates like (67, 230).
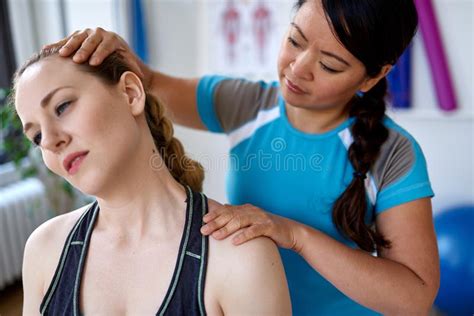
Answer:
(73, 161)
(293, 87)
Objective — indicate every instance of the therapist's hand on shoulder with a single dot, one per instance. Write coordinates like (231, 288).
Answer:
(252, 222)
(94, 45)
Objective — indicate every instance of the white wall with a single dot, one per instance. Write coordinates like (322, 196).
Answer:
(178, 40)
(38, 22)
(446, 139)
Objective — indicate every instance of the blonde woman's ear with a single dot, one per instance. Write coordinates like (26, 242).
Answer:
(132, 88)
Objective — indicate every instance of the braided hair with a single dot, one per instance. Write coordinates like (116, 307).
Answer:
(376, 32)
(182, 168)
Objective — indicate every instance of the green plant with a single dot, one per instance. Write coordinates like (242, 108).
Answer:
(14, 144)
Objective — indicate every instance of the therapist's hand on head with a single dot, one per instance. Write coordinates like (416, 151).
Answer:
(94, 45)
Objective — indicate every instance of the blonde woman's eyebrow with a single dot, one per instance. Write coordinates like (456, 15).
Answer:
(48, 97)
(44, 102)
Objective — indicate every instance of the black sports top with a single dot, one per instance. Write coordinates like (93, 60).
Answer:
(185, 295)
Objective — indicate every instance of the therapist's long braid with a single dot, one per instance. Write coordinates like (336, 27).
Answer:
(376, 32)
(369, 134)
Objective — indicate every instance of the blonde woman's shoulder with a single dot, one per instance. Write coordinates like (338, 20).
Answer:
(248, 279)
(41, 256)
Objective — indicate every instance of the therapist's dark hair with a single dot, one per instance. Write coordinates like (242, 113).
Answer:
(182, 168)
(376, 32)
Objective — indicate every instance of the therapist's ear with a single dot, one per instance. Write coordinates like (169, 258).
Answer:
(132, 88)
(369, 83)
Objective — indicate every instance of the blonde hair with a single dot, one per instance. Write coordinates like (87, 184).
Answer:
(183, 169)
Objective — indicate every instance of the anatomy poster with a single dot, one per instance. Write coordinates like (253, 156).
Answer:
(244, 37)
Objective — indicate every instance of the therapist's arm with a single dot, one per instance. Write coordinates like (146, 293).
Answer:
(402, 280)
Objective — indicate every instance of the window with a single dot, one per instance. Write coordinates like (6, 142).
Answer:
(7, 68)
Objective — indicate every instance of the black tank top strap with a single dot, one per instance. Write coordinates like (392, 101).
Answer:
(186, 296)
(67, 272)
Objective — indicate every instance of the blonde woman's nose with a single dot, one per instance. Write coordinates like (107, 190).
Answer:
(54, 139)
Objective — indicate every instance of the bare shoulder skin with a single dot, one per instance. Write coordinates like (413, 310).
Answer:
(42, 251)
(248, 279)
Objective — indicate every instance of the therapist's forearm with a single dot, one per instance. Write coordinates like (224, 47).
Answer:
(178, 95)
(377, 283)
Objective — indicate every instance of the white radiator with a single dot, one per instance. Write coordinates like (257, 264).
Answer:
(23, 207)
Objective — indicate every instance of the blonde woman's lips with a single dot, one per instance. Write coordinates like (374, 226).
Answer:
(73, 161)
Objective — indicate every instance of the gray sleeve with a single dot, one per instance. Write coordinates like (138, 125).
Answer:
(238, 101)
(395, 160)
(400, 172)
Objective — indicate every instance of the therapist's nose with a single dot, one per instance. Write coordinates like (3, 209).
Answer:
(302, 66)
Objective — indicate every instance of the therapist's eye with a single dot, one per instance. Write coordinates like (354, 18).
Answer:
(328, 69)
(293, 42)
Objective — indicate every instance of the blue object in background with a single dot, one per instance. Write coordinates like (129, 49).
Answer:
(399, 81)
(455, 234)
(138, 32)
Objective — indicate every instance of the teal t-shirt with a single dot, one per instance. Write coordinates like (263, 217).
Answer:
(299, 176)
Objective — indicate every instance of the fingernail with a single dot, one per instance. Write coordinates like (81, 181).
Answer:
(94, 61)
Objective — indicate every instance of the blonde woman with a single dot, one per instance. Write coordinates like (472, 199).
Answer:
(137, 250)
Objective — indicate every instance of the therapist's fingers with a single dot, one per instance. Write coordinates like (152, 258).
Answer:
(215, 213)
(100, 44)
(230, 219)
(237, 222)
(250, 233)
(74, 42)
(224, 216)
(104, 49)
(88, 46)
